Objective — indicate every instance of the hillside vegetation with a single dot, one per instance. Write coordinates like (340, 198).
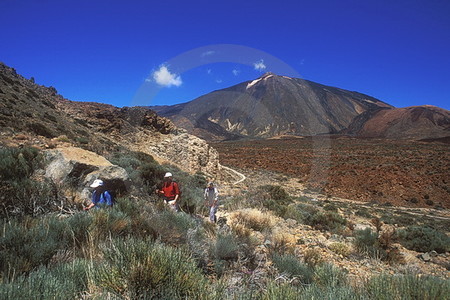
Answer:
(266, 245)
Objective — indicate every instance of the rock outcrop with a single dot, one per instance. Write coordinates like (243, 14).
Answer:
(76, 168)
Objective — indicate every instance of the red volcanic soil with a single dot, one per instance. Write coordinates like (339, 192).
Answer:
(403, 173)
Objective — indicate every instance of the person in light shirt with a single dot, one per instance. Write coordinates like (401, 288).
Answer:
(212, 201)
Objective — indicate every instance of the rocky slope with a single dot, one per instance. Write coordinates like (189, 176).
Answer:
(416, 122)
(35, 114)
(269, 106)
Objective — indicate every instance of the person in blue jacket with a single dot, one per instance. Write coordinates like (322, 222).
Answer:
(100, 196)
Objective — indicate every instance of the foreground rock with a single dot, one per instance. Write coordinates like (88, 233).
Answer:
(75, 169)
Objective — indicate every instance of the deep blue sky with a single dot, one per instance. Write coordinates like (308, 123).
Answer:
(397, 51)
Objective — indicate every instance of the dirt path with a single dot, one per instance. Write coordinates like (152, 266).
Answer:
(242, 176)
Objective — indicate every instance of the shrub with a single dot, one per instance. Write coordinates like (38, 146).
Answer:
(313, 257)
(144, 171)
(302, 212)
(28, 197)
(109, 222)
(65, 281)
(340, 249)
(24, 247)
(171, 227)
(366, 242)
(22, 195)
(280, 291)
(291, 265)
(139, 269)
(330, 207)
(363, 212)
(407, 287)
(16, 164)
(424, 239)
(225, 247)
(281, 242)
(271, 197)
(330, 221)
(329, 275)
(253, 218)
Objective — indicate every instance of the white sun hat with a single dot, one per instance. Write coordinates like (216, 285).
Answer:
(168, 174)
(97, 183)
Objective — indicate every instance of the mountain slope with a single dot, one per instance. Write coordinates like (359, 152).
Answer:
(269, 106)
(415, 122)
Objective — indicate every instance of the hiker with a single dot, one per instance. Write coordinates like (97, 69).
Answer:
(212, 201)
(170, 192)
(100, 196)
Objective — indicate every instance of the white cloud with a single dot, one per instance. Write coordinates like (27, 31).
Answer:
(259, 65)
(236, 72)
(219, 80)
(165, 78)
(209, 71)
(207, 53)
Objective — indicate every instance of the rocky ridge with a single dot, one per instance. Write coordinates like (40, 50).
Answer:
(47, 120)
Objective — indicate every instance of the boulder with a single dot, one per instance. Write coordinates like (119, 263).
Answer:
(425, 257)
(78, 168)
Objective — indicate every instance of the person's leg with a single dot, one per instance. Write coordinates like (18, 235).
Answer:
(212, 214)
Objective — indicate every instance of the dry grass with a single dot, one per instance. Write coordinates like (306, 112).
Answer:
(340, 249)
(281, 242)
(253, 219)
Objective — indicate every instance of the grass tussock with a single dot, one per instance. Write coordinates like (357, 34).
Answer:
(253, 219)
(140, 269)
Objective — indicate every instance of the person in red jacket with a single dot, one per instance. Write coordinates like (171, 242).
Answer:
(170, 191)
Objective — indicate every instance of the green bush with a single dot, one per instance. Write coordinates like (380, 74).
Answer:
(280, 291)
(291, 265)
(144, 171)
(225, 247)
(27, 197)
(22, 195)
(109, 222)
(424, 239)
(328, 220)
(329, 275)
(407, 287)
(330, 207)
(17, 164)
(366, 242)
(171, 227)
(65, 281)
(24, 247)
(364, 212)
(140, 269)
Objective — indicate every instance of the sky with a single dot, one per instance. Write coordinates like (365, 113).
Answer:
(164, 52)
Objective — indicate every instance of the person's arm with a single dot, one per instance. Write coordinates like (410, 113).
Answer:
(216, 196)
(92, 202)
(205, 195)
(89, 206)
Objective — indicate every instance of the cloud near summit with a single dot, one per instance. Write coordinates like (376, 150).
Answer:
(164, 78)
(259, 65)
